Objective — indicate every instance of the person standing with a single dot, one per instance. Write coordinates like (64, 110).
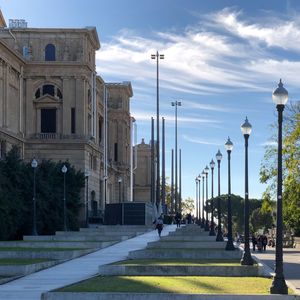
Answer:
(178, 219)
(159, 225)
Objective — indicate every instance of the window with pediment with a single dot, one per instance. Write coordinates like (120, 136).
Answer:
(48, 89)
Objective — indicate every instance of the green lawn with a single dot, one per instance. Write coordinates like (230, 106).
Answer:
(180, 262)
(20, 261)
(173, 284)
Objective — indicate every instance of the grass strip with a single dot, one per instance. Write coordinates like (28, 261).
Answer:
(173, 284)
(20, 261)
(179, 262)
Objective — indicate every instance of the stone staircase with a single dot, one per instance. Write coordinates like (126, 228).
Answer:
(63, 246)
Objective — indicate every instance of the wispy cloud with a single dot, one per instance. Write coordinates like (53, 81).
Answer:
(223, 53)
(268, 143)
(201, 141)
(275, 33)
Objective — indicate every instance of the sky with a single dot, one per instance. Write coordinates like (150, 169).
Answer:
(222, 60)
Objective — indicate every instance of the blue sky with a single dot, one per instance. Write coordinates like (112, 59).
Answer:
(222, 60)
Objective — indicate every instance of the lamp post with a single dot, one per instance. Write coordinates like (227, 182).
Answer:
(246, 259)
(196, 181)
(176, 104)
(206, 170)
(64, 170)
(199, 201)
(280, 98)
(34, 165)
(219, 237)
(212, 227)
(120, 182)
(87, 174)
(203, 218)
(229, 244)
(157, 56)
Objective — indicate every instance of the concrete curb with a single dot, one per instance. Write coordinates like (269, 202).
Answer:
(231, 271)
(159, 296)
(21, 270)
(183, 254)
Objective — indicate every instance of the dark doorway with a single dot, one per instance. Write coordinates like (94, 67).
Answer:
(48, 120)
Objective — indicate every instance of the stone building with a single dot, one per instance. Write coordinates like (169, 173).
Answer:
(53, 106)
(142, 173)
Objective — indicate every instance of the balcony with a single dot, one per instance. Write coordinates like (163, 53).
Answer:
(59, 136)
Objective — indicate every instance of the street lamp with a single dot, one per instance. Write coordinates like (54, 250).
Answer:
(246, 259)
(64, 170)
(34, 165)
(157, 56)
(206, 170)
(87, 174)
(199, 201)
(280, 98)
(212, 227)
(176, 104)
(120, 182)
(219, 237)
(203, 219)
(196, 181)
(229, 244)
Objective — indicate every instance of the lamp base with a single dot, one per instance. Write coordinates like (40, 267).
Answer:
(278, 286)
(212, 232)
(247, 259)
(229, 246)
(206, 228)
(219, 237)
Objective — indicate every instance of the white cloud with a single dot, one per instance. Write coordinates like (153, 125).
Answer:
(202, 61)
(278, 33)
(268, 143)
(201, 141)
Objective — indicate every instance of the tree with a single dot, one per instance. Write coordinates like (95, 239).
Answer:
(188, 206)
(291, 169)
(261, 219)
(16, 182)
(237, 206)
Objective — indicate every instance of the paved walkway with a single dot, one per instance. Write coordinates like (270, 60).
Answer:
(32, 286)
(291, 263)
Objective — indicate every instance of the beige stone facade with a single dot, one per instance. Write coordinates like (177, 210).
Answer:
(142, 173)
(53, 106)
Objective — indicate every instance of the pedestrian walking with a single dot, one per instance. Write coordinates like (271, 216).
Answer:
(178, 219)
(159, 225)
(254, 242)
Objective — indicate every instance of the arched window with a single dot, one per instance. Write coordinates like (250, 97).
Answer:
(50, 52)
(48, 89)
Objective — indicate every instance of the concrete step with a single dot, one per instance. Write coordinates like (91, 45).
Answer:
(158, 270)
(73, 238)
(116, 228)
(185, 254)
(95, 233)
(47, 254)
(189, 238)
(187, 245)
(21, 270)
(56, 244)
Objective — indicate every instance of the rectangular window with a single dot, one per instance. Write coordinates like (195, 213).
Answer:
(116, 152)
(100, 130)
(48, 120)
(73, 120)
(89, 124)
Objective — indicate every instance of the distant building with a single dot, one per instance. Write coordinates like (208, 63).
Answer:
(142, 173)
(52, 106)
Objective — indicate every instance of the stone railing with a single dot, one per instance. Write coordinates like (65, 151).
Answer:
(59, 136)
